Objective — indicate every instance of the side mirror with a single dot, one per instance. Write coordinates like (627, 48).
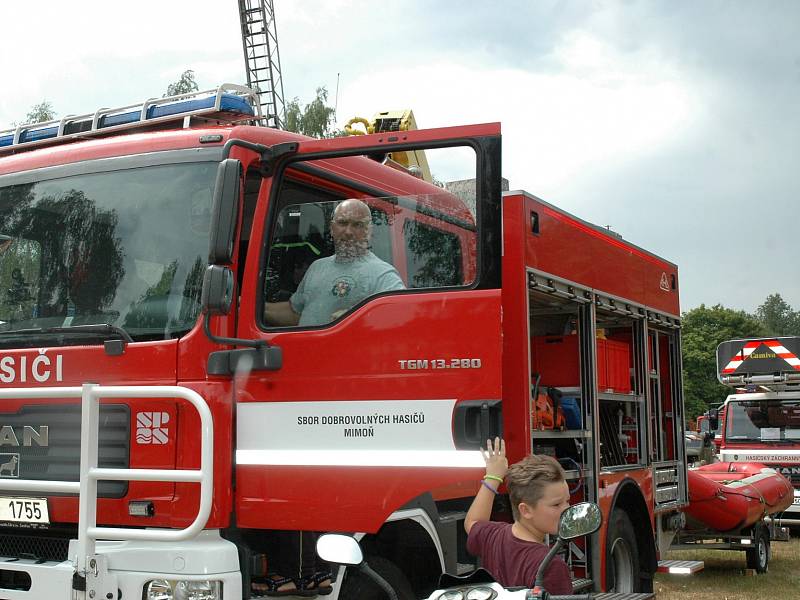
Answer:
(339, 549)
(225, 212)
(217, 294)
(713, 419)
(579, 520)
(576, 521)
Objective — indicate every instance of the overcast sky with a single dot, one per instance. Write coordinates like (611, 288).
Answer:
(676, 123)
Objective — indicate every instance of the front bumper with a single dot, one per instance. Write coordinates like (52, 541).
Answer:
(791, 516)
(134, 564)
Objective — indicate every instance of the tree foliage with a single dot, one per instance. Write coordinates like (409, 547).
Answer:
(64, 244)
(184, 85)
(778, 317)
(315, 119)
(39, 113)
(704, 328)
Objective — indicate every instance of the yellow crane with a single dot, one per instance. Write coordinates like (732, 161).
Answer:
(413, 161)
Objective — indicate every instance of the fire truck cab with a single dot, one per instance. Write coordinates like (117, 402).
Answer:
(157, 430)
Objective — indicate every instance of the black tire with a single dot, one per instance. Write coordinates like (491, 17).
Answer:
(758, 556)
(358, 586)
(622, 555)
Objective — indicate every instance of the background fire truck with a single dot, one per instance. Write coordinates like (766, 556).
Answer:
(155, 429)
(762, 420)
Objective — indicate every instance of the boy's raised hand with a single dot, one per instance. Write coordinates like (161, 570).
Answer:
(496, 467)
(495, 457)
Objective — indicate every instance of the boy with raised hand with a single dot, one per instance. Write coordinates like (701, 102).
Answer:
(512, 552)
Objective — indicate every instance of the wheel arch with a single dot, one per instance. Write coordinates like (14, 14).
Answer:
(629, 498)
(409, 538)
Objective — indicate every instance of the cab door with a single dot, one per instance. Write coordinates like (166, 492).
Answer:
(365, 412)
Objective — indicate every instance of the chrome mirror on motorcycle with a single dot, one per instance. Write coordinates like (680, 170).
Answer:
(579, 519)
(339, 549)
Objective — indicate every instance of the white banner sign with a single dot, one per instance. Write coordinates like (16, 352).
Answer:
(762, 456)
(369, 432)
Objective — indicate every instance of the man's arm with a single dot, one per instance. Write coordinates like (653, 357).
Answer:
(281, 314)
(496, 467)
(388, 281)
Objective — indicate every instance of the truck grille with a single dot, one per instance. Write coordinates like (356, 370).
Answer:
(51, 544)
(25, 453)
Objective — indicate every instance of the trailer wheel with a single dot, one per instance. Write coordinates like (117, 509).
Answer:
(358, 585)
(758, 555)
(622, 554)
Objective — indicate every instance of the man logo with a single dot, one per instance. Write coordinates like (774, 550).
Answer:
(9, 465)
(150, 428)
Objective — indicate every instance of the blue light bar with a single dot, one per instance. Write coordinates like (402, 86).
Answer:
(229, 104)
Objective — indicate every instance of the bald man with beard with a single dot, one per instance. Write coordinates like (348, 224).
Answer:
(334, 284)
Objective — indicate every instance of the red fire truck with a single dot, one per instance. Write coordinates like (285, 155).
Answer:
(761, 420)
(704, 424)
(155, 431)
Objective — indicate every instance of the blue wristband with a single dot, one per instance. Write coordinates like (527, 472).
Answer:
(488, 487)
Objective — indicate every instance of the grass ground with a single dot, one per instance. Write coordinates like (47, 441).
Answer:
(723, 578)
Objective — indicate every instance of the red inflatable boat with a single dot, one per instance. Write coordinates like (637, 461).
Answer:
(733, 496)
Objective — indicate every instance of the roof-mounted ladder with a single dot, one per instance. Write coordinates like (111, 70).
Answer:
(263, 61)
(228, 103)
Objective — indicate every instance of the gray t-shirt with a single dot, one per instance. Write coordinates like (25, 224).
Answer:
(330, 286)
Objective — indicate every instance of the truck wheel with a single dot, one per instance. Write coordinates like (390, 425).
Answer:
(758, 555)
(358, 585)
(622, 554)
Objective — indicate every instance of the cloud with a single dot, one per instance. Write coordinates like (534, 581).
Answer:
(555, 124)
(83, 56)
(674, 122)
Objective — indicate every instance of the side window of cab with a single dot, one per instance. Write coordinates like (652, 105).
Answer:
(333, 243)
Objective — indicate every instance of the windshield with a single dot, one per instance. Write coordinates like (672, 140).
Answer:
(121, 248)
(764, 421)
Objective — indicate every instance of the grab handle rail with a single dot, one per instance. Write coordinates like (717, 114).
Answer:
(90, 473)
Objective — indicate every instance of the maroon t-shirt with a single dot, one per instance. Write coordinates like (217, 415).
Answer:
(514, 562)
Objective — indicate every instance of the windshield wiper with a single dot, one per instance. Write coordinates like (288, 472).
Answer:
(94, 329)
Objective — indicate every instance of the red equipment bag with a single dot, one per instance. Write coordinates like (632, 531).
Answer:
(547, 413)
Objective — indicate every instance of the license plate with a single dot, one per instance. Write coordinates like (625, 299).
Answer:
(24, 510)
(796, 501)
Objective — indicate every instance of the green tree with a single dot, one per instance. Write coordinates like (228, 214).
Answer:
(704, 329)
(778, 317)
(294, 115)
(315, 119)
(184, 85)
(39, 113)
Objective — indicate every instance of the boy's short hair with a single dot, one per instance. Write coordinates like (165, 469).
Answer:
(527, 479)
